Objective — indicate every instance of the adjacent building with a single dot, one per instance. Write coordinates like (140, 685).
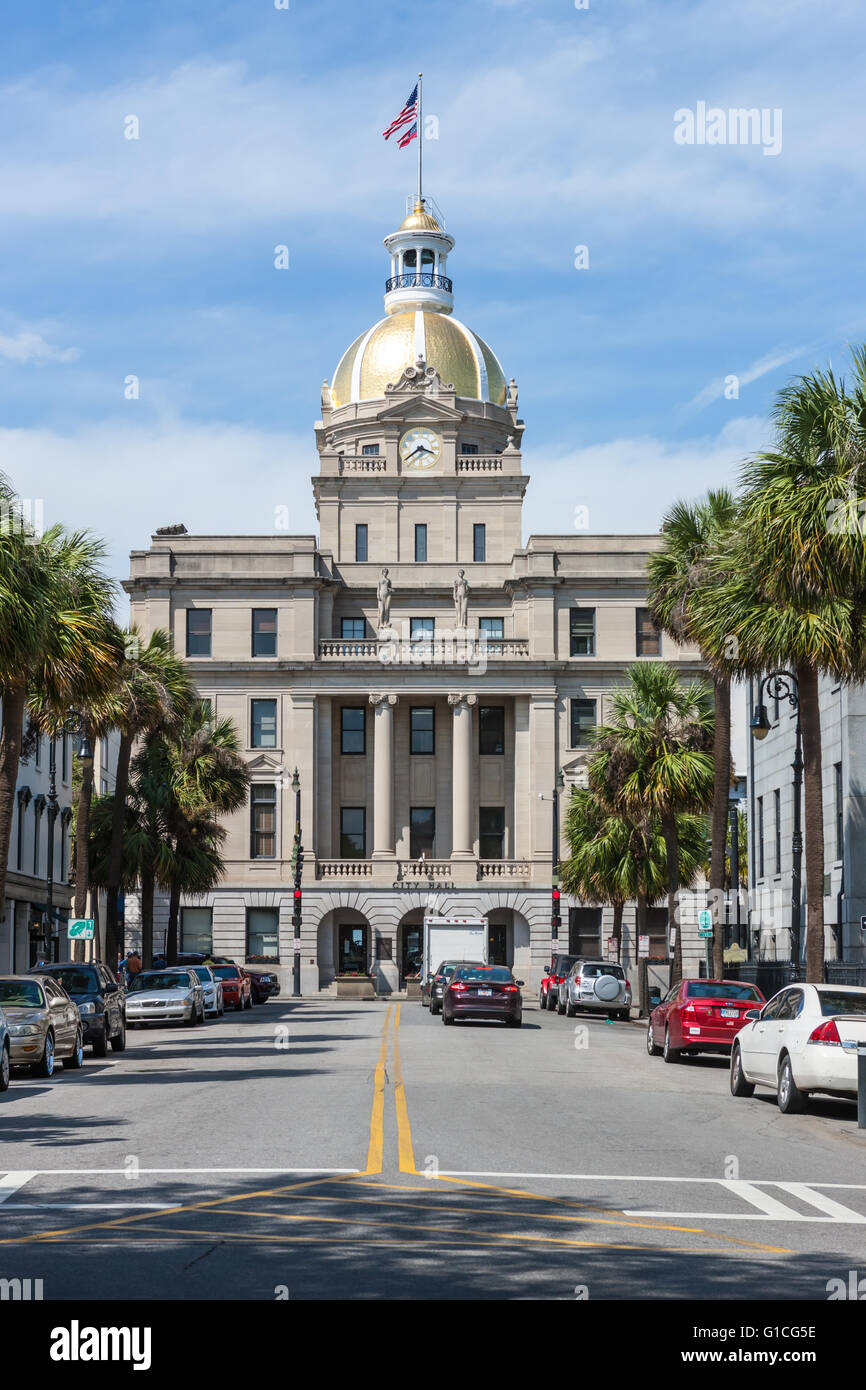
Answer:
(427, 672)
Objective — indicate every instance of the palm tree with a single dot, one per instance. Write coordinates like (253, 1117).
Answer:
(654, 760)
(691, 534)
(56, 634)
(790, 591)
(153, 690)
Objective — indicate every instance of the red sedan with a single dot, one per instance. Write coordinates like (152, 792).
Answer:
(237, 991)
(700, 1016)
(483, 991)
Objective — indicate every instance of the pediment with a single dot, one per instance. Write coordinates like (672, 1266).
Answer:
(418, 408)
(264, 763)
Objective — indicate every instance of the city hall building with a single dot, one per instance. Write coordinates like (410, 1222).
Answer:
(427, 672)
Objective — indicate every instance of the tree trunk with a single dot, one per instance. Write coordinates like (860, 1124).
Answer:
(617, 928)
(82, 844)
(173, 914)
(813, 822)
(147, 886)
(115, 853)
(672, 851)
(10, 755)
(721, 790)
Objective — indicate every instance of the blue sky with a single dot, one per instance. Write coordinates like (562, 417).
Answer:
(261, 126)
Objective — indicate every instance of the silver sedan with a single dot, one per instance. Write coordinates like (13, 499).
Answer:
(212, 989)
(165, 996)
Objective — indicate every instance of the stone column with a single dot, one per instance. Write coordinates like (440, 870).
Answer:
(383, 776)
(461, 780)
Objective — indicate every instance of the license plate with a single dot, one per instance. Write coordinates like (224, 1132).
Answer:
(730, 1013)
(485, 991)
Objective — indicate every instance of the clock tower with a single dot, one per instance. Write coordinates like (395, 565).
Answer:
(419, 427)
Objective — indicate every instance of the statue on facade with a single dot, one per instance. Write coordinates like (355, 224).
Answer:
(384, 593)
(461, 598)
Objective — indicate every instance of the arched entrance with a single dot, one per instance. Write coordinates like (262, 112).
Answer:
(343, 945)
(410, 944)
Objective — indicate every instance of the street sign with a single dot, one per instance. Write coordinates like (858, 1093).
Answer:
(80, 929)
(642, 947)
(705, 923)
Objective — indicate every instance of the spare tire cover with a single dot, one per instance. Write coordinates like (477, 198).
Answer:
(607, 987)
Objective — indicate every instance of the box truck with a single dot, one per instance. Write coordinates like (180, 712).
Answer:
(453, 938)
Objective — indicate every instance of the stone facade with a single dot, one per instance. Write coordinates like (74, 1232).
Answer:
(427, 722)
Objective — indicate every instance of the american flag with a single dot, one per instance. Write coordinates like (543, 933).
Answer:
(407, 115)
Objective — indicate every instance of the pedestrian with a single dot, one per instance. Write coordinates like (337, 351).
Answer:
(133, 963)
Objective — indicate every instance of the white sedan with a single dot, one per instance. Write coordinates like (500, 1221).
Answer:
(803, 1040)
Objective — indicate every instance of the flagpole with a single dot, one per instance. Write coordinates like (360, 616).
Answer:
(420, 136)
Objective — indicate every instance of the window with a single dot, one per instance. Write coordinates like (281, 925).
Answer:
(352, 948)
(353, 832)
(419, 628)
(421, 734)
(647, 637)
(198, 631)
(420, 543)
(777, 829)
(353, 629)
(584, 931)
(263, 933)
(37, 751)
(38, 808)
(491, 729)
(469, 448)
(760, 837)
(492, 628)
(263, 820)
(353, 729)
(361, 543)
(64, 758)
(491, 832)
(583, 720)
(581, 630)
(264, 632)
(63, 825)
(370, 450)
(196, 929)
(479, 541)
(422, 831)
(840, 828)
(657, 930)
(263, 723)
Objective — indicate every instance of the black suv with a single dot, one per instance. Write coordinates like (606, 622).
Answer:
(100, 1000)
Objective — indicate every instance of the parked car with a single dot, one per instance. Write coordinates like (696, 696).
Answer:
(552, 979)
(434, 986)
(43, 1023)
(165, 996)
(5, 1053)
(212, 989)
(237, 990)
(804, 1040)
(483, 991)
(264, 984)
(700, 1016)
(599, 986)
(100, 999)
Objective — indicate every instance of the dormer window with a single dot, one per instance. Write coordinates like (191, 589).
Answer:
(469, 448)
(370, 450)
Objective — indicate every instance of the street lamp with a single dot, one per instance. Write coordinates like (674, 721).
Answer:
(782, 685)
(298, 865)
(73, 723)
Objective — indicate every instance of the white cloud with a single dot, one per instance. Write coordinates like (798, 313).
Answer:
(770, 362)
(29, 347)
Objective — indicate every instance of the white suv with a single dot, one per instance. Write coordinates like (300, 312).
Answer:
(596, 985)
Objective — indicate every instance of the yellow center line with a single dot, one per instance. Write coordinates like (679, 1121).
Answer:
(375, 1151)
(404, 1131)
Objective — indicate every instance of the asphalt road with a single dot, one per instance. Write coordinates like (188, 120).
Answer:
(332, 1150)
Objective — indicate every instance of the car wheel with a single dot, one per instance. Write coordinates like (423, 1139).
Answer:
(100, 1045)
(239, 1005)
(652, 1047)
(670, 1054)
(739, 1085)
(515, 1022)
(434, 1009)
(45, 1065)
(569, 1009)
(193, 1019)
(5, 1068)
(76, 1057)
(118, 1043)
(446, 1020)
(253, 999)
(560, 1006)
(552, 1000)
(791, 1099)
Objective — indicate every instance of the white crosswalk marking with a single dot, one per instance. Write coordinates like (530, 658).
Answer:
(12, 1182)
(825, 1204)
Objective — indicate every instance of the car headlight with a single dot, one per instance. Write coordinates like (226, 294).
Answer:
(87, 1008)
(24, 1030)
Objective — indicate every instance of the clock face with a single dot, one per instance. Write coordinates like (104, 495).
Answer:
(420, 449)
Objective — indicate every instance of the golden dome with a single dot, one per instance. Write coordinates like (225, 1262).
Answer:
(378, 358)
(419, 221)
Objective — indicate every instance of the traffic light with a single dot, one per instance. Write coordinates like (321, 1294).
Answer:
(296, 913)
(555, 918)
